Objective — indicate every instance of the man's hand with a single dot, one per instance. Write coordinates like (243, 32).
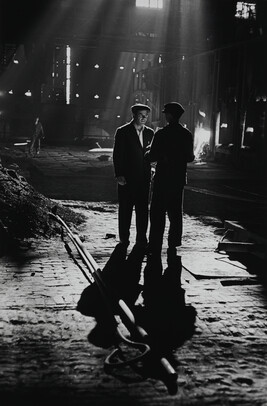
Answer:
(121, 180)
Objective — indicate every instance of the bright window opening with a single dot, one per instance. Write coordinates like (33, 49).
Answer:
(149, 3)
(245, 10)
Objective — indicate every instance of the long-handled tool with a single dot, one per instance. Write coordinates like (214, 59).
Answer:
(118, 307)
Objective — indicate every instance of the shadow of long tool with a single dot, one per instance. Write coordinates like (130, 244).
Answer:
(165, 317)
(121, 276)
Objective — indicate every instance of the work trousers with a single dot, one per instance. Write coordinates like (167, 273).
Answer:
(166, 202)
(35, 144)
(128, 200)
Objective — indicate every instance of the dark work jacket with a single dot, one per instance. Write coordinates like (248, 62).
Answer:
(172, 149)
(128, 156)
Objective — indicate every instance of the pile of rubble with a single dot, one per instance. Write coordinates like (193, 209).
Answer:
(24, 211)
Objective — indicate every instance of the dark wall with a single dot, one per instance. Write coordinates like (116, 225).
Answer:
(18, 18)
(59, 123)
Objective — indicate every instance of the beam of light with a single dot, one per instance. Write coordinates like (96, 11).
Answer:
(96, 63)
(105, 69)
(117, 81)
(108, 57)
(154, 24)
(121, 86)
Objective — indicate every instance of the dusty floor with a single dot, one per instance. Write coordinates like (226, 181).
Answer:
(45, 355)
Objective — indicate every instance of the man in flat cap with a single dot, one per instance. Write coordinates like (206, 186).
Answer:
(133, 174)
(171, 149)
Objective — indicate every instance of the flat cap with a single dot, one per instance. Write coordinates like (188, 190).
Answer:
(173, 108)
(139, 106)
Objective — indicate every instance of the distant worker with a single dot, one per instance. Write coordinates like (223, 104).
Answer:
(38, 134)
(133, 172)
(171, 149)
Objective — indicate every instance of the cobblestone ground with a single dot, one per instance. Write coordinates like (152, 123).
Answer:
(46, 358)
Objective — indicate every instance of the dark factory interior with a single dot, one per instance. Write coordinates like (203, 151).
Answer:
(180, 322)
(82, 64)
